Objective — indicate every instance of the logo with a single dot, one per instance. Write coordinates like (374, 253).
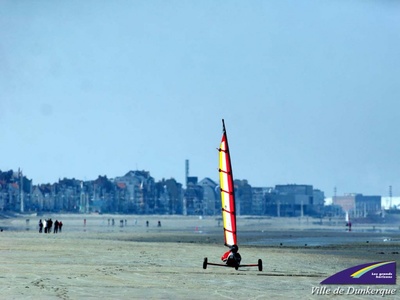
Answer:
(373, 273)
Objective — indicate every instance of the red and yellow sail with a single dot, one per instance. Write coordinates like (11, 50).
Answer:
(227, 191)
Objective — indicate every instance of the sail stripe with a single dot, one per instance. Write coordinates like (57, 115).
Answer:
(227, 191)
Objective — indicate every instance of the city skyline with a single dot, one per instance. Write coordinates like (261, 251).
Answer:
(309, 91)
(387, 199)
(138, 192)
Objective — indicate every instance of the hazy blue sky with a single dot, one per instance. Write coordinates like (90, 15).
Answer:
(309, 90)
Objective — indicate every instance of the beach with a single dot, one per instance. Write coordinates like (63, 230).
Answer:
(93, 259)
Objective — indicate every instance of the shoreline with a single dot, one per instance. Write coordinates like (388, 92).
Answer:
(251, 231)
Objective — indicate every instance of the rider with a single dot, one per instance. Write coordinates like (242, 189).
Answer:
(232, 257)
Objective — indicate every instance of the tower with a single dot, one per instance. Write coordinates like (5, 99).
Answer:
(186, 172)
(21, 190)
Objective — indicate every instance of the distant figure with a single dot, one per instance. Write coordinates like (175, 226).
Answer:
(232, 257)
(159, 224)
(126, 222)
(108, 222)
(112, 222)
(56, 224)
(84, 222)
(349, 225)
(49, 225)
(45, 226)
(121, 223)
(40, 226)
(147, 223)
(60, 224)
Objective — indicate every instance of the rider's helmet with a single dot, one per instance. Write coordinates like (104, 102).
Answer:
(234, 248)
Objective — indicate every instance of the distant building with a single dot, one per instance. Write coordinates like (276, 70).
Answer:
(358, 205)
(193, 198)
(258, 204)
(37, 199)
(169, 197)
(243, 197)
(211, 199)
(139, 192)
(290, 200)
(390, 202)
(318, 204)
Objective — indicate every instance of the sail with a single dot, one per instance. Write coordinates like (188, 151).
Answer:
(227, 191)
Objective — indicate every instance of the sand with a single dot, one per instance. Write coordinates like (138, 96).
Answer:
(98, 261)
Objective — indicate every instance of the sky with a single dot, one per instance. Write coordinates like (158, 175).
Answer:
(309, 90)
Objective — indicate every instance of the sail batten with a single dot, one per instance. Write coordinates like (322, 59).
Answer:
(223, 191)
(227, 190)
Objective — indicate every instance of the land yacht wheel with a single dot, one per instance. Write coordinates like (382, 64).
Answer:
(205, 263)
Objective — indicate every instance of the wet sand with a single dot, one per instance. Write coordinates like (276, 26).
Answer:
(101, 261)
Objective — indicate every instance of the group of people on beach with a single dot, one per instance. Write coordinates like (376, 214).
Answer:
(48, 224)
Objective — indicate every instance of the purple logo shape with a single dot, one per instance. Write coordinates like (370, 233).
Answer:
(383, 272)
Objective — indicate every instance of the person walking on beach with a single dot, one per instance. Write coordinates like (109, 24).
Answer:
(60, 224)
(232, 257)
(40, 226)
(49, 225)
(45, 226)
(349, 225)
(56, 224)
